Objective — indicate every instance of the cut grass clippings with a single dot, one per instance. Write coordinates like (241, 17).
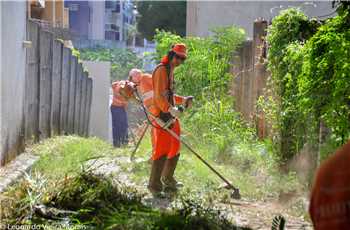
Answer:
(60, 192)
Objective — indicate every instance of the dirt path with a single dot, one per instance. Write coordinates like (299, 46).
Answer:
(244, 212)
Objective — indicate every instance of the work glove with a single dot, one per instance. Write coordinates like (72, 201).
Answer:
(188, 102)
(175, 112)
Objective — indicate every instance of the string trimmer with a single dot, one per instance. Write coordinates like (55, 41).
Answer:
(234, 194)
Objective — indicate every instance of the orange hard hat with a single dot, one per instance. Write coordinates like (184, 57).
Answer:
(180, 49)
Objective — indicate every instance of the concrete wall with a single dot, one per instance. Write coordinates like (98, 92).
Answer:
(1, 116)
(204, 15)
(12, 78)
(100, 113)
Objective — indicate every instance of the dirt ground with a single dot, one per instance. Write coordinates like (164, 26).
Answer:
(244, 212)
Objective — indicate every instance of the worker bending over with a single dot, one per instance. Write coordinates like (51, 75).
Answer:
(119, 105)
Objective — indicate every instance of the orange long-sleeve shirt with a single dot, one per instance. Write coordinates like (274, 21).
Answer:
(330, 196)
(161, 88)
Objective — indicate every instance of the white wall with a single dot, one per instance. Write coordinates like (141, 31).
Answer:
(204, 15)
(97, 20)
(12, 77)
(100, 112)
(1, 138)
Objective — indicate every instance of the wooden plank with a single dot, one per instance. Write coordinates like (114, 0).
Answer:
(31, 110)
(71, 100)
(46, 40)
(89, 95)
(56, 87)
(66, 56)
(83, 104)
(78, 92)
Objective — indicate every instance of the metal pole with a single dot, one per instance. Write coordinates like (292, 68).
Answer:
(139, 142)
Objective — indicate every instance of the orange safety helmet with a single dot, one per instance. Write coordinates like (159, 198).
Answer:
(180, 49)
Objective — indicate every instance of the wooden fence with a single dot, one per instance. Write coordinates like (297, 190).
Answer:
(58, 92)
(250, 78)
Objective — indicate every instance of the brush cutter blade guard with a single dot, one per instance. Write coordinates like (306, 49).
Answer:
(235, 194)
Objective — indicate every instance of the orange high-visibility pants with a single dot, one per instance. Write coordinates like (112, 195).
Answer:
(163, 143)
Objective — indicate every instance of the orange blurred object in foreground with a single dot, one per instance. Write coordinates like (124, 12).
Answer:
(330, 196)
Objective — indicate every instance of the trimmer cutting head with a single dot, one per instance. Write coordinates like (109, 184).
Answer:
(235, 194)
(235, 191)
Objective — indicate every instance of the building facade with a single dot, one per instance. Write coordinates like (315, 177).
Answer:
(50, 11)
(202, 16)
(101, 20)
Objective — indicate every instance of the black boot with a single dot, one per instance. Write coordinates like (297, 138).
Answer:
(168, 180)
(155, 185)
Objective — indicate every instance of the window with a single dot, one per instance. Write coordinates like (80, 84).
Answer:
(113, 5)
(111, 27)
(114, 27)
(73, 7)
(111, 35)
(117, 7)
(109, 4)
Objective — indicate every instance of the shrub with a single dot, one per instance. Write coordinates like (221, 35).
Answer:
(122, 60)
(206, 76)
(310, 73)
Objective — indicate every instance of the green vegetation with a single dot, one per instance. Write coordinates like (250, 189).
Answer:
(122, 60)
(310, 69)
(206, 71)
(213, 127)
(164, 15)
(308, 62)
(66, 155)
(84, 197)
(248, 166)
(205, 75)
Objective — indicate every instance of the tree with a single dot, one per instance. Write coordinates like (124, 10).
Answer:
(166, 15)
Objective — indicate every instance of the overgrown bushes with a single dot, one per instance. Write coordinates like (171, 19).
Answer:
(206, 75)
(206, 72)
(309, 62)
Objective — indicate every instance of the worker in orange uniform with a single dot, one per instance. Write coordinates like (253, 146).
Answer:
(165, 147)
(119, 105)
(144, 86)
(330, 195)
(119, 115)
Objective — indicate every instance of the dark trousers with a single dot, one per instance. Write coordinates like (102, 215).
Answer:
(119, 126)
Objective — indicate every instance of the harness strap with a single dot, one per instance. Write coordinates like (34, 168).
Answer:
(170, 91)
(147, 95)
